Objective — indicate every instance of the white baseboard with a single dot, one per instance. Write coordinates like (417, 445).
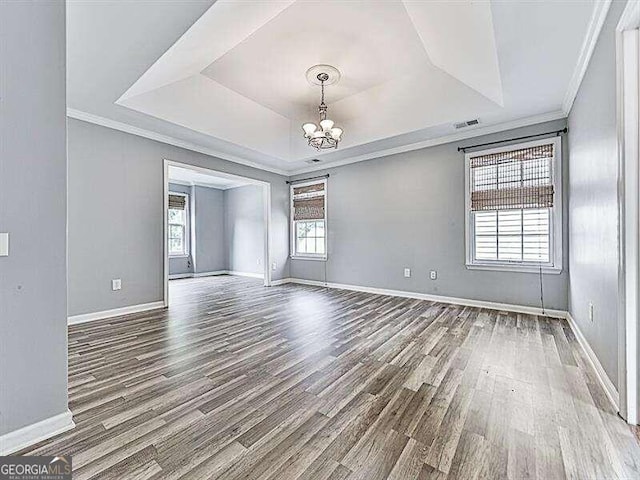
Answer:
(210, 274)
(198, 275)
(116, 312)
(216, 272)
(282, 281)
(31, 434)
(436, 298)
(608, 386)
(177, 276)
(246, 274)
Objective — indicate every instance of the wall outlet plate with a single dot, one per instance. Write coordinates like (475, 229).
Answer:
(433, 274)
(116, 284)
(407, 272)
(274, 265)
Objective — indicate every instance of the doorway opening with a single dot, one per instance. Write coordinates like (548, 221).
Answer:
(215, 223)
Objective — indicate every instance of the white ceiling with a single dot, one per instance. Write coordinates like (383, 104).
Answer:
(229, 77)
(186, 176)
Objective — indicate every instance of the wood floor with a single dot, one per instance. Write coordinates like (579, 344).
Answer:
(294, 382)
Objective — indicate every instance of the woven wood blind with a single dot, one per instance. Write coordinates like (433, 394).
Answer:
(177, 202)
(308, 202)
(512, 180)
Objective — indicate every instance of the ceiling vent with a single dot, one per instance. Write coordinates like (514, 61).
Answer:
(313, 160)
(466, 124)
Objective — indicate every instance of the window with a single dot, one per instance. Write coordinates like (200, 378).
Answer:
(177, 220)
(309, 220)
(514, 207)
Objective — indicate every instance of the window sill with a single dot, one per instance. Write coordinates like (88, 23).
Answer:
(304, 257)
(514, 268)
(179, 256)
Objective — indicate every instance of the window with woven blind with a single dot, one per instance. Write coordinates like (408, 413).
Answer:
(514, 207)
(178, 224)
(308, 220)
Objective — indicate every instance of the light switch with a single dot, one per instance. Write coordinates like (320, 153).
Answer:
(4, 244)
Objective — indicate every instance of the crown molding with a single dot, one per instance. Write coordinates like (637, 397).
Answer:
(598, 16)
(141, 132)
(476, 132)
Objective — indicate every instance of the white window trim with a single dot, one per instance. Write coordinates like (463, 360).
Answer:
(187, 226)
(555, 265)
(308, 256)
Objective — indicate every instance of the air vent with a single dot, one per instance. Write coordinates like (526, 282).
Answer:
(313, 160)
(468, 123)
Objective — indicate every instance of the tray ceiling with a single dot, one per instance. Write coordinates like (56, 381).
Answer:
(231, 75)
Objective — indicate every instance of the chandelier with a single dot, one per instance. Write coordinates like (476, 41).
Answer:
(326, 135)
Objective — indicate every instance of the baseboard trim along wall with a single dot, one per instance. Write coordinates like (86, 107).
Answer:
(177, 276)
(217, 272)
(433, 298)
(209, 274)
(246, 274)
(608, 386)
(116, 312)
(36, 432)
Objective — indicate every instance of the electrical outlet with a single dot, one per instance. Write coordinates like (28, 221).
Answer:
(590, 312)
(116, 284)
(407, 272)
(433, 274)
(274, 265)
(258, 262)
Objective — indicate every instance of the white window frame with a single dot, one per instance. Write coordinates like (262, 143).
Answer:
(187, 226)
(555, 222)
(293, 252)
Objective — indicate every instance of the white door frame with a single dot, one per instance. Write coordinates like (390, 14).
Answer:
(266, 201)
(628, 130)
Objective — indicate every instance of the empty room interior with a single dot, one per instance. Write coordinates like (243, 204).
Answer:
(319, 240)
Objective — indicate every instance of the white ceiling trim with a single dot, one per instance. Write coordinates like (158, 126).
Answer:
(600, 10)
(477, 132)
(141, 132)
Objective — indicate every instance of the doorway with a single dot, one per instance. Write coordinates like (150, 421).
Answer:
(195, 191)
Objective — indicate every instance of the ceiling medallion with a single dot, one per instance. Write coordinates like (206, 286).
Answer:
(325, 135)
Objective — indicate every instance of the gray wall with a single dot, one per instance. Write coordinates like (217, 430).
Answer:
(244, 229)
(115, 215)
(33, 178)
(593, 228)
(182, 265)
(210, 224)
(407, 210)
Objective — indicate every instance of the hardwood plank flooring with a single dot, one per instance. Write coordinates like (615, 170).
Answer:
(236, 381)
